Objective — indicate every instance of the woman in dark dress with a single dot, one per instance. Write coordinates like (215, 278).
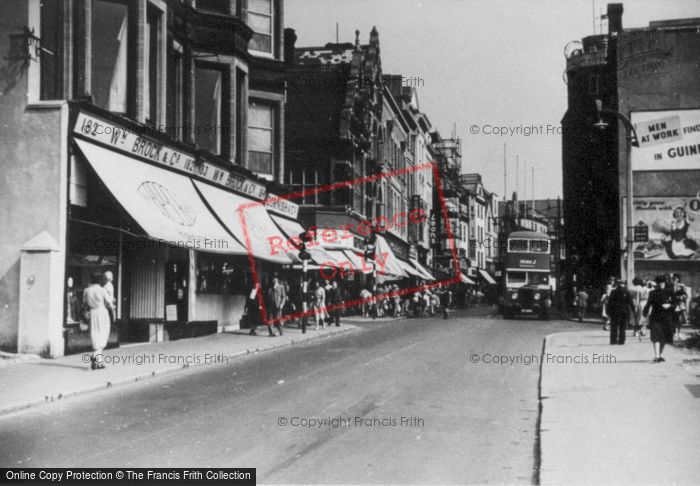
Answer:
(660, 304)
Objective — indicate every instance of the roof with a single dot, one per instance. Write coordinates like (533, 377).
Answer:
(528, 234)
(328, 55)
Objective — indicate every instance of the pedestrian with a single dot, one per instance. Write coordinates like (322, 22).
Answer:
(306, 299)
(603, 301)
(397, 302)
(680, 303)
(99, 303)
(252, 309)
(320, 305)
(658, 309)
(107, 284)
(335, 301)
(435, 302)
(639, 294)
(445, 301)
(277, 299)
(582, 303)
(620, 308)
(366, 296)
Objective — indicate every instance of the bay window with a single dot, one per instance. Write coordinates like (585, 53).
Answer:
(261, 120)
(210, 119)
(260, 19)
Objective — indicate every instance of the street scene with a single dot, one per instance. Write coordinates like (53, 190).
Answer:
(349, 242)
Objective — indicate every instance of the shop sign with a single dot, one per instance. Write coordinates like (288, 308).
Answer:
(668, 140)
(670, 225)
(412, 252)
(132, 143)
(283, 207)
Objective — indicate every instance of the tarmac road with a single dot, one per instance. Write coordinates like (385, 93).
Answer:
(395, 402)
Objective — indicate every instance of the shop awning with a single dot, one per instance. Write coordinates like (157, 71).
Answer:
(265, 237)
(392, 268)
(426, 274)
(358, 262)
(291, 228)
(165, 204)
(466, 280)
(409, 269)
(487, 276)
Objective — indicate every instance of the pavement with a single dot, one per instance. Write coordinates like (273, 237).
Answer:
(612, 416)
(27, 380)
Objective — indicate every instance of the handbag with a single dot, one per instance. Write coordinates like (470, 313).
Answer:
(84, 317)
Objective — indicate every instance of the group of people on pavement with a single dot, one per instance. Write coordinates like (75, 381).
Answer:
(660, 305)
(320, 300)
(387, 300)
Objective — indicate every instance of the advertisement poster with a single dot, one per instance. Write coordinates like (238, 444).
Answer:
(672, 225)
(668, 140)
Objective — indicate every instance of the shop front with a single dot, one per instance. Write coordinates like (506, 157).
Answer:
(180, 236)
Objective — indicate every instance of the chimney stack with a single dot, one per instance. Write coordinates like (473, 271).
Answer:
(614, 19)
(290, 38)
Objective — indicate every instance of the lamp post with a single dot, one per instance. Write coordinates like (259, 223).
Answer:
(632, 141)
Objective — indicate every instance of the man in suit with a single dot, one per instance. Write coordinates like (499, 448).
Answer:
(620, 308)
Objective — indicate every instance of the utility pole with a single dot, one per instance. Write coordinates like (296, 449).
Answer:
(505, 173)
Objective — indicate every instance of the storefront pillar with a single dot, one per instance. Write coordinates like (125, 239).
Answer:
(42, 269)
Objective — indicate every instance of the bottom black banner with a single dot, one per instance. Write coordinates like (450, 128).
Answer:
(243, 476)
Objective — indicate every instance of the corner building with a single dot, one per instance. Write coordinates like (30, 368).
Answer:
(135, 131)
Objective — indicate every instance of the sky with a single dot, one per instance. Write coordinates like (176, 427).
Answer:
(484, 64)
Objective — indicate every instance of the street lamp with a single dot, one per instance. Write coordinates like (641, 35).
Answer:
(632, 141)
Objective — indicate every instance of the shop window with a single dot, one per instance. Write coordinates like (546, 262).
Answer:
(151, 80)
(210, 125)
(108, 54)
(261, 119)
(260, 20)
(214, 6)
(51, 54)
(221, 274)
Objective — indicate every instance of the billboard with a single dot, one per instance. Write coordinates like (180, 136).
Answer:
(668, 140)
(671, 226)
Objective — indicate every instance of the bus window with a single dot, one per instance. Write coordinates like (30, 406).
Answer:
(538, 278)
(517, 278)
(517, 245)
(539, 246)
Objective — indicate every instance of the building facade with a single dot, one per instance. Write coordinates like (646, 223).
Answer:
(646, 75)
(137, 129)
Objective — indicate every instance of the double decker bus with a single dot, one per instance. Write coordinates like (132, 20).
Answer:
(526, 282)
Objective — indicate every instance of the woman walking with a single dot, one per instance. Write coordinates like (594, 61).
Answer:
(97, 299)
(320, 305)
(660, 324)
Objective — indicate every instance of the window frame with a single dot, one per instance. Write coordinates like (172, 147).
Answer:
(272, 16)
(273, 129)
(223, 137)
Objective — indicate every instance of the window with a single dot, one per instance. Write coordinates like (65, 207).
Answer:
(175, 93)
(108, 54)
(260, 20)
(51, 55)
(539, 246)
(150, 78)
(261, 119)
(210, 127)
(517, 277)
(214, 6)
(517, 245)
